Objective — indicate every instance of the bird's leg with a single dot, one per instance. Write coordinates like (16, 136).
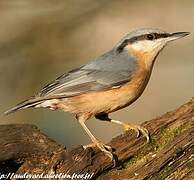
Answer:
(126, 126)
(104, 148)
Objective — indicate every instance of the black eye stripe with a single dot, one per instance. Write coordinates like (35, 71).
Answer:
(122, 45)
(145, 36)
(141, 38)
(164, 35)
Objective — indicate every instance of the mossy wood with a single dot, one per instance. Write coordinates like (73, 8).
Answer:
(169, 155)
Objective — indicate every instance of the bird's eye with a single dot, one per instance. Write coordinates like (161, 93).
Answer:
(150, 37)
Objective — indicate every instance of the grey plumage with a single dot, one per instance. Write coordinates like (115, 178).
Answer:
(109, 70)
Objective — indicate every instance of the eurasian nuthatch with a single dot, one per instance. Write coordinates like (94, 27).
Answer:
(112, 81)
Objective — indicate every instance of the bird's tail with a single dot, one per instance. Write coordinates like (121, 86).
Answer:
(25, 104)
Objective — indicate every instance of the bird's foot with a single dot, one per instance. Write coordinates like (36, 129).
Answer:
(138, 129)
(104, 148)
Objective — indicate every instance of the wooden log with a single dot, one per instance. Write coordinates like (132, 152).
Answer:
(169, 155)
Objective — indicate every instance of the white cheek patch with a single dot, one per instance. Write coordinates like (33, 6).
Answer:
(144, 45)
(149, 46)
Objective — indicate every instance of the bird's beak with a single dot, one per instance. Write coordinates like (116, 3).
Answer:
(177, 35)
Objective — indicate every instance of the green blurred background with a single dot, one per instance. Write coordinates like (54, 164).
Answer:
(40, 40)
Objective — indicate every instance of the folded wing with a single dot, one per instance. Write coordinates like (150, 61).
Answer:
(106, 72)
(85, 80)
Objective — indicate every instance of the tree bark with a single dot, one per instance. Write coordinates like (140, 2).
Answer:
(169, 155)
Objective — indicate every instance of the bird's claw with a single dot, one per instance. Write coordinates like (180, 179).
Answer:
(138, 129)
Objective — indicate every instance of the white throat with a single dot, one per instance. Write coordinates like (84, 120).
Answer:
(148, 46)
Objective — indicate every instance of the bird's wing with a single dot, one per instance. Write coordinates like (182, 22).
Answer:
(82, 81)
(101, 74)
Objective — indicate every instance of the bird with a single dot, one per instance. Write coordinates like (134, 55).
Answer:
(106, 84)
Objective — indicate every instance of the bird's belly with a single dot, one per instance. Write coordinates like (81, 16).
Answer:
(106, 101)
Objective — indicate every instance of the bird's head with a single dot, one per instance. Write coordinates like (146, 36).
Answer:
(147, 41)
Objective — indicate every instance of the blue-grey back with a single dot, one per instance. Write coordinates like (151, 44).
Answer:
(111, 69)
